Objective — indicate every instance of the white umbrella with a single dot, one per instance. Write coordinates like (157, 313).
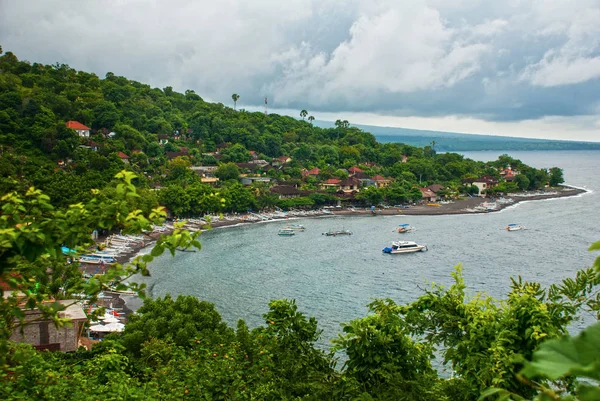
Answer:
(99, 328)
(114, 327)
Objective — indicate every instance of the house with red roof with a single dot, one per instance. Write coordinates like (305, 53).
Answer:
(312, 172)
(123, 157)
(381, 182)
(78, 127)
(332, 183)
(354, 170)
(484, 183)
(350, 185)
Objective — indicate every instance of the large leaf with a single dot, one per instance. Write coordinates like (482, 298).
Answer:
(568, 356)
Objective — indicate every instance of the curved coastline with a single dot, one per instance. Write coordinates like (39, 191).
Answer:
(464, 206)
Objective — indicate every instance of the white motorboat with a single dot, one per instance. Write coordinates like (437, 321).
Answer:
(332, 233)
(286, 232)
(515, 227)
(404, 247)
(295, 227)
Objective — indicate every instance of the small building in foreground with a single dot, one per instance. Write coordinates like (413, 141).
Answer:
(44, 335)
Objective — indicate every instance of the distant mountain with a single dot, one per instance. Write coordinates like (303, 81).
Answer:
(452, 142)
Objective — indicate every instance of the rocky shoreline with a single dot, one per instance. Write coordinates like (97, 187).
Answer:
(462, 206)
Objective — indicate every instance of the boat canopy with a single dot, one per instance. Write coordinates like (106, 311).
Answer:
(68, 251)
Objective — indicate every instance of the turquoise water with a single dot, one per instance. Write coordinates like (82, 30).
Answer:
(334, 278)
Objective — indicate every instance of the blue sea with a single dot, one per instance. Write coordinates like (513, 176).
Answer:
(333, 278)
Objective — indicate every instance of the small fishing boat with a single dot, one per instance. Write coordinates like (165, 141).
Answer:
(405, 228)
(286, 232)
(295, 227)
(404, 247)
(331, 233)
(515, 227)
(97, 260)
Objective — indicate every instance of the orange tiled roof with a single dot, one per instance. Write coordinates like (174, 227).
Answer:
(76, 125)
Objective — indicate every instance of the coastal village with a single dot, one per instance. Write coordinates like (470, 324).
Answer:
(343, 185)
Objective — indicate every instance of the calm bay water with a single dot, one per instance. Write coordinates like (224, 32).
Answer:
(333, 278)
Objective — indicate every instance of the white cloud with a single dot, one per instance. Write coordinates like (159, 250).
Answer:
(404, 48)
(577, 59)
(560, 70)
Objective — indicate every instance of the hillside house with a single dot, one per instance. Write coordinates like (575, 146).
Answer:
(484, 183)
(428, 195)
(163, 139)
(332, 183)
(78, 127)
(278, 161)
(353, 170)
(252, 180)
(435, 188)
(287, 191)
(381, 182)
(182, 152)
(313, 172)
(123, 157)
(350, 185)
(508, 172)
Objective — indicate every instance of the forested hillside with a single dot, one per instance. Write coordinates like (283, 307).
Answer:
(160, 134)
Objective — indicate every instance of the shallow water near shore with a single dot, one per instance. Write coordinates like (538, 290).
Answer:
(333, 278)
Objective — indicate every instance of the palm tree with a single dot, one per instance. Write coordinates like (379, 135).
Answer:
(303, 114)
(433, 145)
(235, 98)
(311, 119)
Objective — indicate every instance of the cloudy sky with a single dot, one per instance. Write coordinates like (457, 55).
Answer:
(518, 68)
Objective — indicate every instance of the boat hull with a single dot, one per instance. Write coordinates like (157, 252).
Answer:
(336, 233)
(419, 248)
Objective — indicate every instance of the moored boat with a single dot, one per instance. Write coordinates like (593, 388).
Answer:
(286, 232)
(515, 227)
(295, 227)
(405, 228)
(404, 247)
(332, 233)
(97, 260)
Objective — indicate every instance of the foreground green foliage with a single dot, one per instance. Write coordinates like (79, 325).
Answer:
(181, 349)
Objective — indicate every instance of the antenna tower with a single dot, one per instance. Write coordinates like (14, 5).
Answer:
(266, 108)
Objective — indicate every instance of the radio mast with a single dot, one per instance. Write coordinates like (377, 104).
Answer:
(266, 108)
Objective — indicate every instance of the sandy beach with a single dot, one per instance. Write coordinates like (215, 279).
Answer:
(460, 206)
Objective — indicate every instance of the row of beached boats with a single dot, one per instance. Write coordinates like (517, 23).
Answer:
(112, 248)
